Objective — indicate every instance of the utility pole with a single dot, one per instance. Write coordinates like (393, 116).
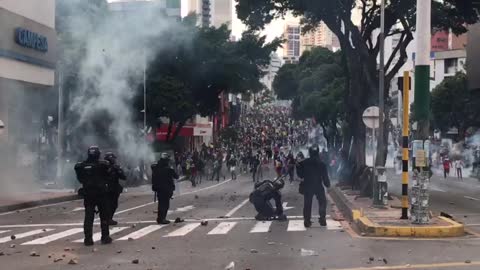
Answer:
(406, 120)
(421, 145)
(60, 127)
(381, 88)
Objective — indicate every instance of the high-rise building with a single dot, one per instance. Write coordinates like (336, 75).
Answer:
(271, 70)
(291, 47)
(170, 8)
(321, 36)
(212, 12)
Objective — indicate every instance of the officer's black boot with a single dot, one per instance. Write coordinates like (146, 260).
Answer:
(106, 240)
(322, 221)
(307, 223)
(88, 241)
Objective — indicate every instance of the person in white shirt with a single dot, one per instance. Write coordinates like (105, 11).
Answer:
(459, 167)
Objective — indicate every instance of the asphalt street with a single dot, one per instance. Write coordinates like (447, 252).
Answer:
(231, 238)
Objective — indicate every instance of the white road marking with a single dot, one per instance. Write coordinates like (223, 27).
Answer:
(142, 232)
(185, 209)
(231, 212)
(285, 207)
(471, 198)
(261, 227)
(97, 236)
(333, 225)
(183, 230)
(436, 189)
(36, 207)
(78, 209)
(4, 231)
(53, 237)
(222, 228)
(23, 235)
(295, 226)
(186, 193)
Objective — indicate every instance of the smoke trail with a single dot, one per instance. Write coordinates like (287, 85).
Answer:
(116, 49)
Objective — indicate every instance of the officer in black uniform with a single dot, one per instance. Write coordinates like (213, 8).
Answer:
(114, 187)
(93, 174)
(315, 176)
(261, 196)
(163, 184)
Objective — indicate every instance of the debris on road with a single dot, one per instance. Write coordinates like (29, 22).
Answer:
(271, 243)
(230, 266)
(468, 261)
(73, 261)
(34, 254)
(371, 259)
(57, 260)
(135, 261)
(2, 253)
(307, 252)
(133, 226)
(12, 246)
(153, 247)
(13, 237)
(119, 251)
(196, 196)
(253, 250)
(94, 249)
(204, 223)
(67, 249)
(179, 220)
(130, 239)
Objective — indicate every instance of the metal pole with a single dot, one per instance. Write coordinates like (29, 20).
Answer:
(406, 105)
(145, 94)
(60, 126)
(381, 88)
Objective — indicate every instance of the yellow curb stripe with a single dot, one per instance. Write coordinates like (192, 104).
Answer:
(415, 266)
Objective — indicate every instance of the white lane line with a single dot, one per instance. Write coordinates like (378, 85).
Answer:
(183, 230)
(186, 193)
(295, 226)
(53, 237)
(437, 189)
(222, 228)
(36, 207)
(285, 207)
(471, 198)
(185, 209)
(4, 231)
(97, 236)
(142, 232)
(78, 209)
(231, 212)
(261, 227)
(333, 225)
(23, 235)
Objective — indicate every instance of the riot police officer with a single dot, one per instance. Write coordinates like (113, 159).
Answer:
(163, 184)
(114, 187)
(261, 196)
(315, 176)
(93, 174)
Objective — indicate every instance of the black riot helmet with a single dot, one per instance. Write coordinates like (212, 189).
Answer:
(94, 153)
(110, 157)
(313, 151)
(279, 184)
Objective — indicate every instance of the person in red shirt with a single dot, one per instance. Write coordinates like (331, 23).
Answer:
(446, 167)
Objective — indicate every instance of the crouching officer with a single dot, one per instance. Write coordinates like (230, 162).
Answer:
(163, 185)
(315, 176)
(114, 187)
(261, 196)
(93, 174)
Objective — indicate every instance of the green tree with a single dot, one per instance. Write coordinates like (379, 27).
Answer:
(359, 43)
(185, 80)
(285, 83)
(454, 105)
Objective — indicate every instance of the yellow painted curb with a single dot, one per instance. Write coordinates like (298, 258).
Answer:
(454, 229)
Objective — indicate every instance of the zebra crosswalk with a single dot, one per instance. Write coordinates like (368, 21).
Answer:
(46, 235)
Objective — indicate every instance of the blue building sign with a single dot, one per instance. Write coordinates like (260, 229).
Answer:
(29, 39)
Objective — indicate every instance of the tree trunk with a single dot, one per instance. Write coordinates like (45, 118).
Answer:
(178, 129)
(169, 132)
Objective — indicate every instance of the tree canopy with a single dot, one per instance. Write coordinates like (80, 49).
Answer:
(454, 105)
(186, 79)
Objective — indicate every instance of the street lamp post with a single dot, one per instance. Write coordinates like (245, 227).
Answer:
(381, 87)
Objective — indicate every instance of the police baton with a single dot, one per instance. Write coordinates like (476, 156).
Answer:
(154, 196)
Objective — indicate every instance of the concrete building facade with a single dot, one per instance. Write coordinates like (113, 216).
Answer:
(292, 44)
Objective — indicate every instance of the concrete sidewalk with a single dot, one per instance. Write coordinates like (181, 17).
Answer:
(16, 201)
(386, 222)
